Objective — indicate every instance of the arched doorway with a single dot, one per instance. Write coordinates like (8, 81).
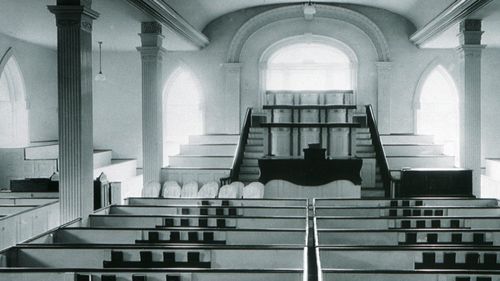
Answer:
(437, 111)
(13, 112)
(183, 113)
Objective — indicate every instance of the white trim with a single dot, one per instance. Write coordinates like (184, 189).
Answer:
(454, 13)
(366, 25)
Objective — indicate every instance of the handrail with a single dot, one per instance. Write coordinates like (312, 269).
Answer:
(380, 155)
(240, 149)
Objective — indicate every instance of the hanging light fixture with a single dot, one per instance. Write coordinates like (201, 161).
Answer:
(100, 76)
(309, 10)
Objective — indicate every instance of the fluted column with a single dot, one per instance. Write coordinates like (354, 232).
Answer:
(384, 96)
(152, 130)
(74, 76)
(470, 105)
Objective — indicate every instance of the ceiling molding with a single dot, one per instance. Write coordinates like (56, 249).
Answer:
(160, 11)
(456, 12)
(296, 11)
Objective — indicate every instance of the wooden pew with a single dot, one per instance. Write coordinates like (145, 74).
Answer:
(415, 211)
(370, 223)
(111, 256)
(153, 275)
(185, 221)
(417, 237)
(403, 202)
(212, 210)
(82, 235)
(216, 202)
(410, 258)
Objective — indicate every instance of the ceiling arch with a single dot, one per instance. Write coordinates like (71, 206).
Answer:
(295, 11)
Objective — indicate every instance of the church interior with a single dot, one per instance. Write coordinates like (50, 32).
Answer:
(201, 140)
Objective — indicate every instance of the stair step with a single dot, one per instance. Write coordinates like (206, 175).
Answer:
(364, 142)
(201, 161)
(256, 130)
(253, 155)
(365, 154)
(214, 139)
(248, 177)
(406, 139)
(427, 161)
(256, 136)
(208, 149)
(250, 162)
(365, 148)
(413, 149)
(102, 157)
(255, 142)
(254, 148)
(249, 170)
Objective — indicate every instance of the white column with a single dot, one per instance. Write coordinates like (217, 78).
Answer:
(470, 104)
(152, 54)
(384, 96)
(74, 75)
(231, 99)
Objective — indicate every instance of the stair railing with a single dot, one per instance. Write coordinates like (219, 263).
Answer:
(240, 150)
(380, 155)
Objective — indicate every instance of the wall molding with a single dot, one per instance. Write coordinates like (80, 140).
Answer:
(456, 12)
(164, 14)
(359, 20)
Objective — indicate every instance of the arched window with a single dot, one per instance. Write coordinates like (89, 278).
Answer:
(13, 112)
(182, 110)
(309, 66)
(437, 109)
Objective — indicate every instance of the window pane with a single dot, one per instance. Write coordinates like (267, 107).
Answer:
(309, 66)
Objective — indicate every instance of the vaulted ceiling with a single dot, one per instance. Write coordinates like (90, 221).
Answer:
(119, 22)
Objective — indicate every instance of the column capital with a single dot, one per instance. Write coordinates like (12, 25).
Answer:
(151, 34)
(470, 32)
(74, 15)
(151, 53)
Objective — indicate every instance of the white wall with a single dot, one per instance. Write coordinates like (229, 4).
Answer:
(490, 103)
(39, 68)
(117, 104)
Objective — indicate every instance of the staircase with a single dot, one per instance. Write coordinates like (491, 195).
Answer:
(371, 185)
(42, 159)
(414, 151)
(254, 149)
(205, 158)
(402, 151)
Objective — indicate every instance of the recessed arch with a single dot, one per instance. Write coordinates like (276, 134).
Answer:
(296, 11)
(183, 109)
(336, 48)
(13, 110)
(436, 107)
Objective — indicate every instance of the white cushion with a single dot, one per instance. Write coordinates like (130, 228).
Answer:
(189, 190)
(209, 190)
(171, 189)
(228, 191)
(254, 190)
(239, 186)
(151, 189)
